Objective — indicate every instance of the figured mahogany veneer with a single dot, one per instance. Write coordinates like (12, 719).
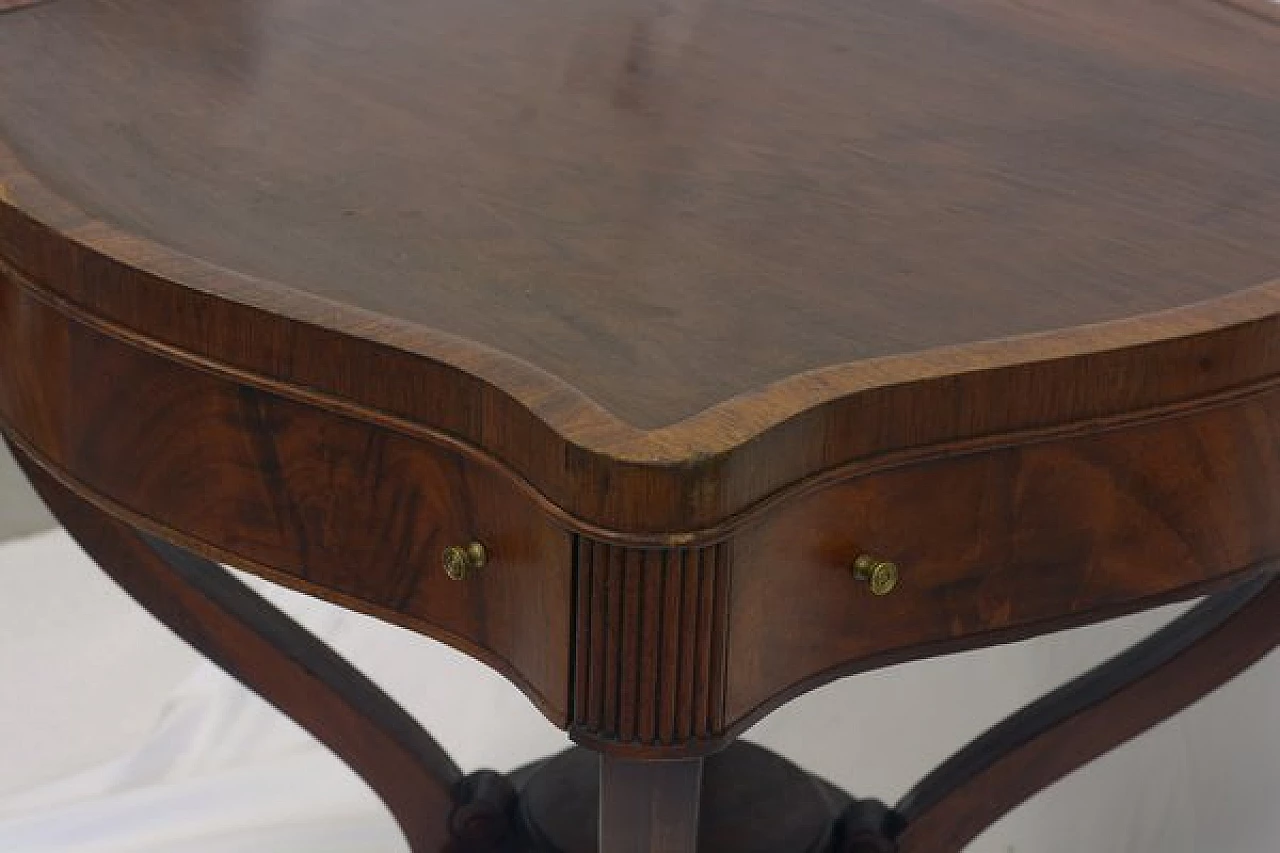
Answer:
(1001, 544)
(664, 266)
(277, 658)
(678, 308)
(341, 508)
(675, 649)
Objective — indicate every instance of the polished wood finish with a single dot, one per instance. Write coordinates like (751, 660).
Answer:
(1005, 542)
(649, 806)
(651, 645)
(1091, 716)
(276, 658)
(1064, 178)
(751, 801)
(621, 193)
(675, 649)
(676, 308)
(325, 503)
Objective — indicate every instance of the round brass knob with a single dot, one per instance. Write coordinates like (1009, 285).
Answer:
(463, 561)
(880, 575)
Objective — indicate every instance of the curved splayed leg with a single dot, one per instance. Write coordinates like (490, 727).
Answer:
(1083, 720)
(437, 808)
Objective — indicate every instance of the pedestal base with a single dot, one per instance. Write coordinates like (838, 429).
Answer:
(753, 801)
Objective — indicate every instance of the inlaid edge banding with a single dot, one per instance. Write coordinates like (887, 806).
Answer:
(733, 520)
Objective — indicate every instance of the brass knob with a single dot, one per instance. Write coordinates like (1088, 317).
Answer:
(463, 561)
(880, 575)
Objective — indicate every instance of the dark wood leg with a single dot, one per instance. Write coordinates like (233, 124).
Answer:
(744, 800)
(436, 807)
(1090, 716)
(751, 801)
(649, 806)
(758, 802)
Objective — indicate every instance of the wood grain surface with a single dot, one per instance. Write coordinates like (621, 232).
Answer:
(674, 252)
(645, 649)
(270, 654)
(649, 806)
(1006, 541)
(677, 307)
(1090, 716)
(669, 204)
(331, 505)
(746, 799)
(652, 631)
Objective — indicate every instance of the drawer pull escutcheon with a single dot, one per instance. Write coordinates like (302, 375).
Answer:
(880, 575)
(463, 561)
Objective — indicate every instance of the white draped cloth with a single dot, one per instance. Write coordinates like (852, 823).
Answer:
(114, 738)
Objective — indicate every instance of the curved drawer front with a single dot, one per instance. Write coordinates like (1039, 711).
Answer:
(1001, 543)
(341, 507)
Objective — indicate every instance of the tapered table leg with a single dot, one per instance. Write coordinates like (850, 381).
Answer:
(649, 806)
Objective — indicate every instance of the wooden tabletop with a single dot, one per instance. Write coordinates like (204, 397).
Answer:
(671, 357)
(662, 230)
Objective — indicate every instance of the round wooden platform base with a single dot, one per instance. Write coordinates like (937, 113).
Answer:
(753, 801)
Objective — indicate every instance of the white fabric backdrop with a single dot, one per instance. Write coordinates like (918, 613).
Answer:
(115, 738)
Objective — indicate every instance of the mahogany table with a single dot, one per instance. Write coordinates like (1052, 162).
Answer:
(670, 358)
